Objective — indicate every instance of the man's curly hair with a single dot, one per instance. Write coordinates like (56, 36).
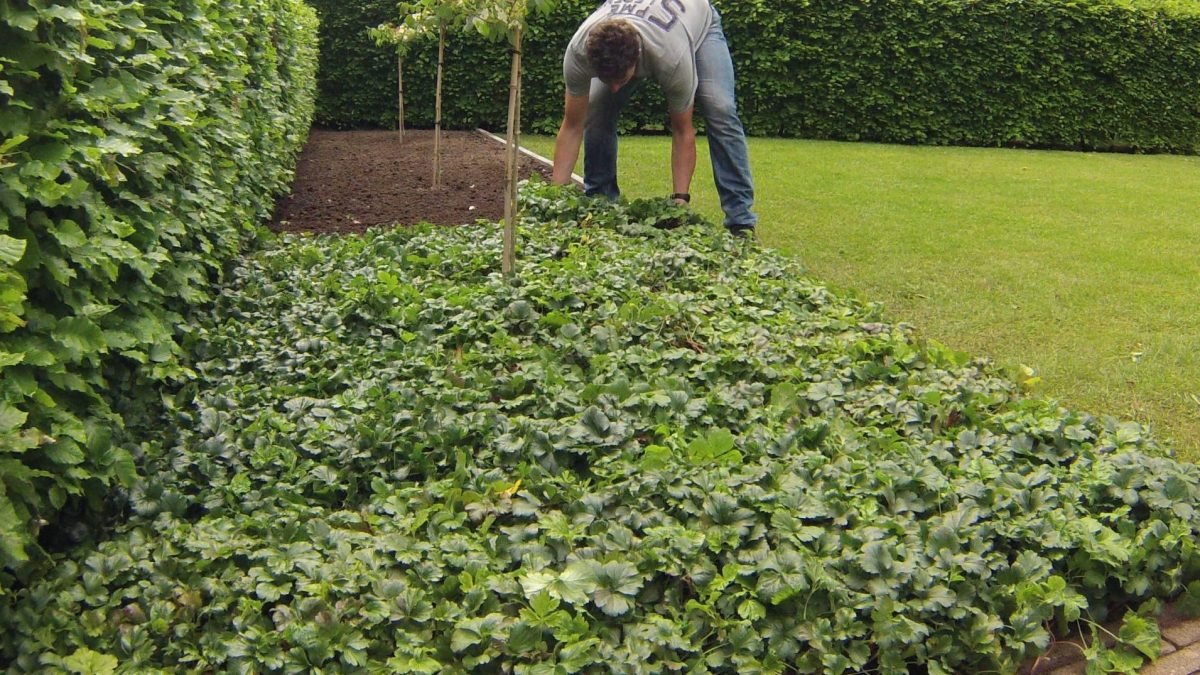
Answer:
(613, 47)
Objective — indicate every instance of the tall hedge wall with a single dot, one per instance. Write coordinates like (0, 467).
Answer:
(1107, 74)
(140, 144)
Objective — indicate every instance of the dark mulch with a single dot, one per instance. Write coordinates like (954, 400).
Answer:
(347, 181)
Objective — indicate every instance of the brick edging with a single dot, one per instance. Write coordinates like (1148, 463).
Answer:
(1179, 655)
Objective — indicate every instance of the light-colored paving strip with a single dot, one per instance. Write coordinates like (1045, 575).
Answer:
(529, 153)
(1179, 654)
(1183, 634)
(1186, 661)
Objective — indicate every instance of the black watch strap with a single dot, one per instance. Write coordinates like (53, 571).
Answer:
(687, 197)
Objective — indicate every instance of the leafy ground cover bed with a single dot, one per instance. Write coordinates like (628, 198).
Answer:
(653, 450)
(347, 181)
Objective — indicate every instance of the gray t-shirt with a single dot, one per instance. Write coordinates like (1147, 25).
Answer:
(671, 32)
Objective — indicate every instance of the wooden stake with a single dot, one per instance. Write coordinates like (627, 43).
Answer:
(437, 121)
(400, 95)
(508, 262)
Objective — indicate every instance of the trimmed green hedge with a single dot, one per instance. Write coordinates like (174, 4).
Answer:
(357, 79)
(1104, 74)
(140, 144)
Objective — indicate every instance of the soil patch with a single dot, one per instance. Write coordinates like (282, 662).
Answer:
(347, 181)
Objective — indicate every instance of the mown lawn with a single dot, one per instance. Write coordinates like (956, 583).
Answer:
(1085, 267)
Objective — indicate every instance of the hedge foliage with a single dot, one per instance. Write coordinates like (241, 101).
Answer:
(140, 141)
(1106, 74)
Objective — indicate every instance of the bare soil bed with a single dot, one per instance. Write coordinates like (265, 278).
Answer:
(347, 181)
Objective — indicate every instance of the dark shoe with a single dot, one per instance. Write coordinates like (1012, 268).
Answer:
(741, 231)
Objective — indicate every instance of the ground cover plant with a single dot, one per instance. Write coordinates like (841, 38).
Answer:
(652, 450)
(1081, 266)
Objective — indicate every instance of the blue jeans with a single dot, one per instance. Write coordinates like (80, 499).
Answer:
(726, 138)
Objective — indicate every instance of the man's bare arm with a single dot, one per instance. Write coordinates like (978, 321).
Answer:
(683, 150)
(570, 136)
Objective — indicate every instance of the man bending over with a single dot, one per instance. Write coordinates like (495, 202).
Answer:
(680, 45)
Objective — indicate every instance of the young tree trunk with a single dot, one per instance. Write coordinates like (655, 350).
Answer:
(437, 114)
(400, 96)
(508, 262)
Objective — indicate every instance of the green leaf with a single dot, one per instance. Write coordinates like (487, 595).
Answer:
(11, 249)
(595, 422)
(656, 458)
(752, 610)
(10, 144)
(616, 584)
(68, 15)
(11, 418)
(1115, 660)
(536, 582)
(64, 451)
(68, 233)
(1189, 604)
(543, 604)
(10, 359)
(612, 604)
(574, 584)
(1056, 593)
(87, 662)
(471, 632)
(784, 396)
(124, 467)
(714, 446)
(1100, 541)
(25, 20)
(81, 336)
(1142, 634)
(119, 145)
(876, 558)
(422, 664)
(524, 638)
(13, 536)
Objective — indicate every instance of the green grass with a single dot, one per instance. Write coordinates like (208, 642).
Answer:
(1083, 267)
